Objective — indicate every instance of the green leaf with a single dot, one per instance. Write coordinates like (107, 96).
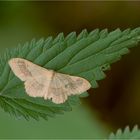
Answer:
(87, 55)
(126, 134)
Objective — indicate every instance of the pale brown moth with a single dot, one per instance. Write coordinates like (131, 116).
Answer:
(41, 82)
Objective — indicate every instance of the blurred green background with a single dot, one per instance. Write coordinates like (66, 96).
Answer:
(114, 104)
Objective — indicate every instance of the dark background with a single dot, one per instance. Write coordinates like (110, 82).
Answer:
(115, 103)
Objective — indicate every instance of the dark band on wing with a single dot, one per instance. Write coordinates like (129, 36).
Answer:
(69, 82)
(36, 85)
(23, 68)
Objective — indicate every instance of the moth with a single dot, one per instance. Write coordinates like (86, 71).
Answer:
(46, 83)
